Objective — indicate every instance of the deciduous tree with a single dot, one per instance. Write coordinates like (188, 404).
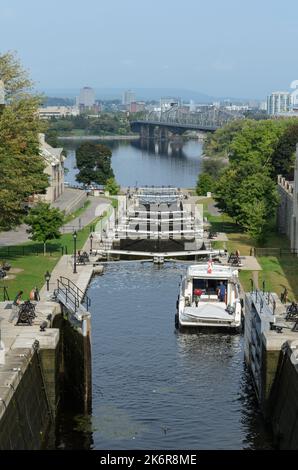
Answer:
(44, 223)
(21, 166)
(94, 163)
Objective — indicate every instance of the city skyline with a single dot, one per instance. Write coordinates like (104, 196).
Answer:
(215, 49)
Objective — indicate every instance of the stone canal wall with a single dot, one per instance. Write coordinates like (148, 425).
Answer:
(39, 368)
(76, 371)
(283, 400)
(273, 362)
(25, 413)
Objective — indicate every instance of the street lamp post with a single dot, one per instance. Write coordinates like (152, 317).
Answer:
(74, 236)
(91, 241)
(47, 277)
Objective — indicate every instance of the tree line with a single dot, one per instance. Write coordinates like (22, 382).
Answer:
(246, 187)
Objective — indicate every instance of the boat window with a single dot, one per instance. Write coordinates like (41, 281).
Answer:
(208, 286)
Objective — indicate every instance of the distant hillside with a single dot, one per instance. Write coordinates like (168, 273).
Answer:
(57, 101)
(144, 94)
(141, 94)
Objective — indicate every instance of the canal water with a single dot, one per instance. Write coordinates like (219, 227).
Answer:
(156, 388)
(138, 162)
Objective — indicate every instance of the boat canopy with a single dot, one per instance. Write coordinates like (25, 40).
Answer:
(203, 271)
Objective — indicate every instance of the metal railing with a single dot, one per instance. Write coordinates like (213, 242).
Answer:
(262, 297)
(275, 252)
(72, 293)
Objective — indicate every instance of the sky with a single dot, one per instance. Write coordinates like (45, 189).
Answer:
(221, 48)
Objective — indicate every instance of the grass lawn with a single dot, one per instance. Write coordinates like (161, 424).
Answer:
(33, 266)
(280, 272)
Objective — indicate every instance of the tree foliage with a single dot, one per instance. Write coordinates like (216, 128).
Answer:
(112, 186)
(247, 188)
(21, 166)
(205, 184)
(218, 144)
(104, 124)
(94, 163)
(44, 222)
(283, 157)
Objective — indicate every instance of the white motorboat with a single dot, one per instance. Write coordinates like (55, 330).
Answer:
(209, 297)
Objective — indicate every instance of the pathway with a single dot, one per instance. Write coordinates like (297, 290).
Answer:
(64, 268)
(96, 208)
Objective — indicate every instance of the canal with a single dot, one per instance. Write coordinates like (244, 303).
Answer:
(137, 162)
(155, 388)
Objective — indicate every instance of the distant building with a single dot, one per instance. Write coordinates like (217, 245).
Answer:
(86, 97)
(128, 97)
(278, 102)
(237, 107)
(192, 106)
(288, 208)
(136, 106)
(54, 168)
(133, 107)
(169, 102)
(263, 106)
(294, 95)
(48, 112)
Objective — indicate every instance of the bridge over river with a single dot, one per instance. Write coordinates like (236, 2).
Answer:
(176, 121)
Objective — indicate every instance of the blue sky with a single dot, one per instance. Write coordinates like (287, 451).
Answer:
(221, 48)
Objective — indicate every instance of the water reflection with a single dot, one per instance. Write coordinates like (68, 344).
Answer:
(147, 162)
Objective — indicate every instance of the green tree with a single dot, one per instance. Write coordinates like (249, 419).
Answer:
(284, 155)
(112, 186)
(45, 223)
(218, 144)
(205, 184)
(21, 166)
(94, 163)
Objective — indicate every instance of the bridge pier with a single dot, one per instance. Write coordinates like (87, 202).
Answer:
(163, 133)
(147, 131)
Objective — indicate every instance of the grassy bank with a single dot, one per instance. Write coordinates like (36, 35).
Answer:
(28, 270)
(278, 272)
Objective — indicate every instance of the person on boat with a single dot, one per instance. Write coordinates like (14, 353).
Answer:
(222, 292)
(197, 295)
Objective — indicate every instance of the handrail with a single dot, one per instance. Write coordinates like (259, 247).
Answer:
(262, 296)
(72, 290)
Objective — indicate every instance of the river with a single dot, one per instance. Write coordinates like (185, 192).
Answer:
(139, 162)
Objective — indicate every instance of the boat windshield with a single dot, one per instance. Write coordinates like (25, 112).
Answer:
(209, 286)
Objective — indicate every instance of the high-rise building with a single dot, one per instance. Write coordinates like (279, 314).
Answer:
(294, 95)
(278, 102)
(128, 97)
(87, 97)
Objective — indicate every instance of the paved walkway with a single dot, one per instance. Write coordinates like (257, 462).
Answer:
(213, 210)
(64, 267)
(96, 208)
(69, 199)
